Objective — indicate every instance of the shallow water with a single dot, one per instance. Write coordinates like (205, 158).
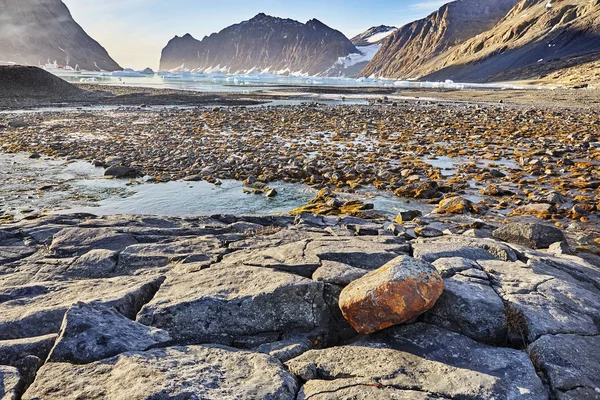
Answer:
(80, 187)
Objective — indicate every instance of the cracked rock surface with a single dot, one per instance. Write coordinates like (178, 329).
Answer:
(248, 307)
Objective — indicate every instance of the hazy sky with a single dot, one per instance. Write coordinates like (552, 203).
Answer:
(135, 31)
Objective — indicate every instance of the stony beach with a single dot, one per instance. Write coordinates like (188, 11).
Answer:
(492, 295)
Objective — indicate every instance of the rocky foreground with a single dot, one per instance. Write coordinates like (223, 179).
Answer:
(224, 307)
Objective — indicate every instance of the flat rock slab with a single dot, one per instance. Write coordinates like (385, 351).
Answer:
(571, 363)
(14, 253)
(424, 358)
(36, 310)
(217, 305)
(470, 307)
(10, 383)
(194, 372)
(92, 332)
(291, 257)
(338, 273)
(304, 257)
(13, 351)
(78, 241)
(145, 256)
(542, 303)
(357, 389)
(462, 246)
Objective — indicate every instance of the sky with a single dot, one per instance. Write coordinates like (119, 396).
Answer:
(135, 31)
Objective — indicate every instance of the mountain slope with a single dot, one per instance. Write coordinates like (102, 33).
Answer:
(35, 31)
(413, 45)
(262, 43)
(374, 35)
(368, 44)
(534, 37)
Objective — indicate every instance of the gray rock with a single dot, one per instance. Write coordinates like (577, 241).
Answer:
(448, 267)
(428, 232)
(357, 389)
(36, 310)
(473, 309)
(194, 372)
(424, 358)
(357, 252)
(466, 247)
(285, 350)
(78, 241)
(13, 253)
(570, 362)
(407, 216)
(92, 332)
(204, 250)
(10, 383)
(12, 351)
(433, 251)
(123, 172)
(218, 305)
(291, 257)
(305, 256)
(535, 236)
(94, 264)
(337, 273)
(543, 304)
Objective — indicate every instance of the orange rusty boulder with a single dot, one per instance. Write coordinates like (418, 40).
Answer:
(399, 291)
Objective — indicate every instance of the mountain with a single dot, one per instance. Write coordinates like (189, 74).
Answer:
(263, 43)
(35, 31)
(537, 40)
(374, 35)
(404, 52)
(368, 44)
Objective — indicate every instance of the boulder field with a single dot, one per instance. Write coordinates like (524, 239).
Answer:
(282, 307)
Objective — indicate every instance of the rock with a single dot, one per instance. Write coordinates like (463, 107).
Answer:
(424, 358)
(305, 256)
(535, 236)
(123, 172)
(36, 310)
(271, 193)
(78, 241)
(10, 383)
(560, 248)
(570, 362)
(357, 389)
(204, 249)
(428, 232)
(433, 251)
(540, 210)
(471, 308)
(401, 290)
(292, 257)
(92, 332)
(448, 267)
(337, 273)
(94, 264)
(218, 305)
(13, 253)
(12, 351)
(462, 246)
(285, 350)
(455, 205)
(111, 161)
(407, 216)
(194, 372)
(538, 304)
